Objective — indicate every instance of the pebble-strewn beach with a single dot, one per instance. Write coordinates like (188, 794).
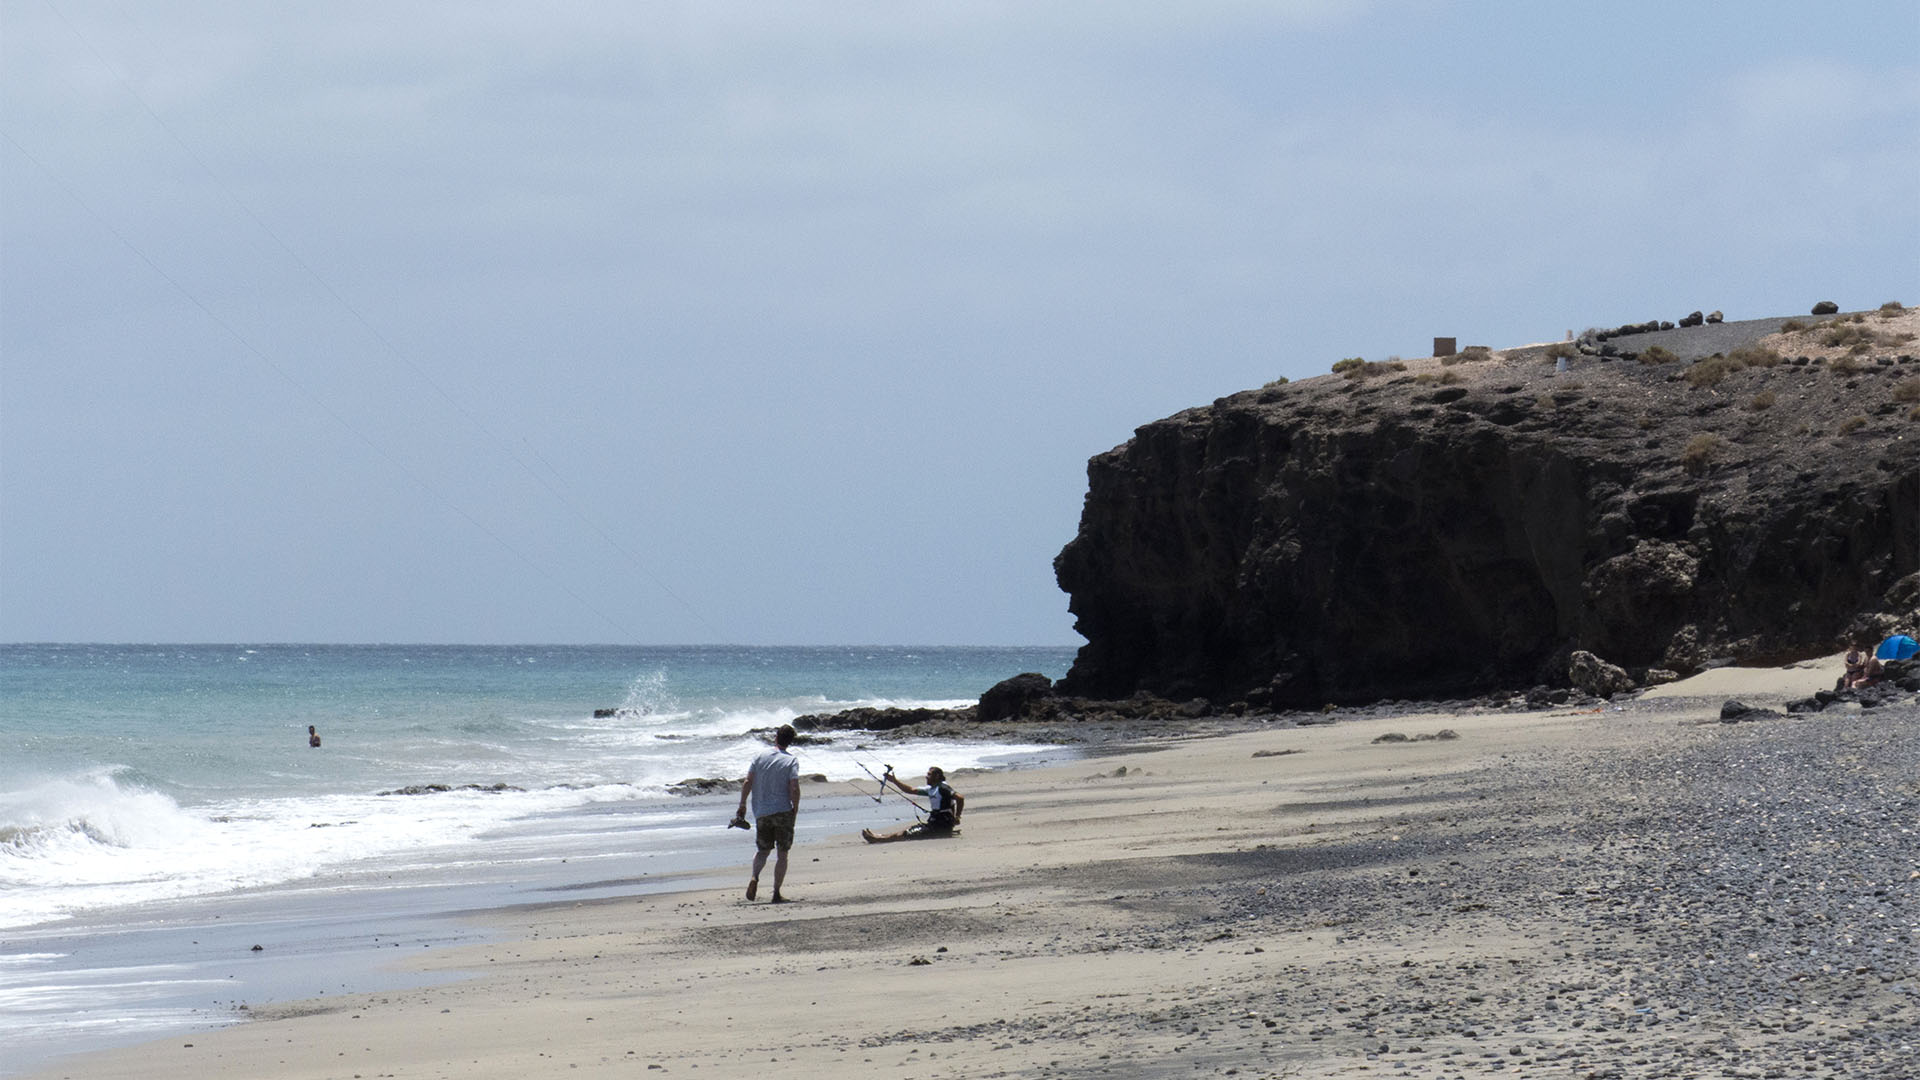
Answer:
(1638, 891)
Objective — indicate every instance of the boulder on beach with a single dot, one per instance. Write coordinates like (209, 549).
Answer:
(1735, 712)
(1595, 676)
(1010, 698)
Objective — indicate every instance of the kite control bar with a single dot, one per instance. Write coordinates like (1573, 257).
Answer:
(885, 775)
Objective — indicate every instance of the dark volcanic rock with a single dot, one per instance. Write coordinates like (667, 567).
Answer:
(441, 789)
(867, 718)
(1452, 531)
(1595, 676)
(1010, 698)
(702, 785)
(1734, 712)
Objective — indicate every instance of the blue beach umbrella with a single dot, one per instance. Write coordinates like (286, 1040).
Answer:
(1897, 647)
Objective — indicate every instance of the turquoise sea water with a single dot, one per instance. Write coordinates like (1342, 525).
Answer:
(146, 789)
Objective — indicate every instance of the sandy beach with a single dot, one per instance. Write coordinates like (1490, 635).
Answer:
(1637, 890)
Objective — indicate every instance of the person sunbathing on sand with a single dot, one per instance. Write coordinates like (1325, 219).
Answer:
(1862, 668)
(944, 806)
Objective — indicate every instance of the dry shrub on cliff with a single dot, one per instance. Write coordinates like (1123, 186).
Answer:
(1469, 355)
(1367, 369)
(1351, 363)
(1853, 424)
(1843, 365)
(1852, 335)
(1754, 356)
(1658, 354)
(1561, 350)
(1892, 309)
(1700, 452)
(1906, 390)
(1710, 371)
(1762, 400)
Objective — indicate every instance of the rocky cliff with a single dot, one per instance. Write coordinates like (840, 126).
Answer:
(1454, 526)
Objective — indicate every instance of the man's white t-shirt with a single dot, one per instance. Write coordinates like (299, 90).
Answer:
(773, 774)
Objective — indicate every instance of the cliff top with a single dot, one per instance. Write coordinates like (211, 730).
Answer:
(1845, 342)
(1719, 399)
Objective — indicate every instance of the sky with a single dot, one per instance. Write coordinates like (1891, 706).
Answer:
(739, 322)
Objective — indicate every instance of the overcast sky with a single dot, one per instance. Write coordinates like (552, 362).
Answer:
(794, 322)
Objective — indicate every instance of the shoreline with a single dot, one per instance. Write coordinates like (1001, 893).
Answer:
(1628, 892)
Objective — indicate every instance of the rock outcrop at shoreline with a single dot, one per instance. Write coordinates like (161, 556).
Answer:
(1454, 526)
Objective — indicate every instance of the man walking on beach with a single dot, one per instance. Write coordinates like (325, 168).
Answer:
(774, 784)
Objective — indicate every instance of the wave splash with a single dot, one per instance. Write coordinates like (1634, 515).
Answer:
(648, 695)
(100, 839)
(62, 820)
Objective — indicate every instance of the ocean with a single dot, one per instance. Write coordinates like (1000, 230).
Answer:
(161, 811)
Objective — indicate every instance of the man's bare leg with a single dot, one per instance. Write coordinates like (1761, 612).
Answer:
(779, 874)
(759, 864)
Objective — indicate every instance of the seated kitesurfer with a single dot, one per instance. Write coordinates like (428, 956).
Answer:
(943, 803)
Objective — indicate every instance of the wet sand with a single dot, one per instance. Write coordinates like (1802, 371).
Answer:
(1636, 891)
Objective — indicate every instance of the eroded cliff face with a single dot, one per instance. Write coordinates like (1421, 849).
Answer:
(1452, 530)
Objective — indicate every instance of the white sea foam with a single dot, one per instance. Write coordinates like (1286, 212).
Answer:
(69, 845)
(50, 830)
(74, 844)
